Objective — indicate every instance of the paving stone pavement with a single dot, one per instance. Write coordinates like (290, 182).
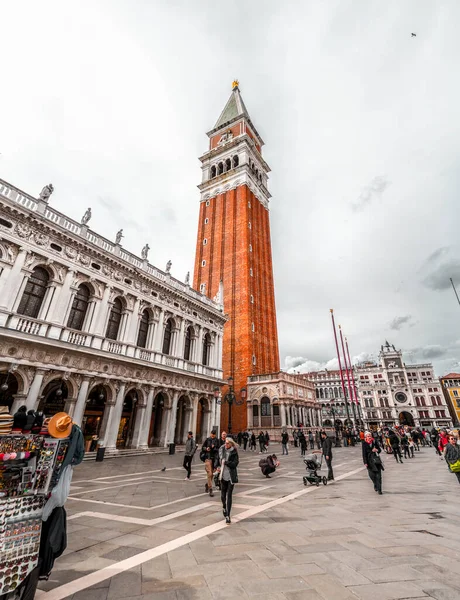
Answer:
(138, 533)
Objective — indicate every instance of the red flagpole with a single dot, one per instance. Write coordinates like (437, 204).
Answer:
(348, 374)
(353, 378)
(340, 363)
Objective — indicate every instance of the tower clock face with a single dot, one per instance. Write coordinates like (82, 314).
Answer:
(401, 397)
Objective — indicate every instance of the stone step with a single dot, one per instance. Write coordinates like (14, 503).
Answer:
(127, 452)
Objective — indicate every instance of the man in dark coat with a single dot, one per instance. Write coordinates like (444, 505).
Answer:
(327, 453)
(395, 446)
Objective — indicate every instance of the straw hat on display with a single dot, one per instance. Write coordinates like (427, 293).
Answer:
(6, 421)
(60, 426)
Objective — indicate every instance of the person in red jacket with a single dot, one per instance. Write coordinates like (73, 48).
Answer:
(442, 442)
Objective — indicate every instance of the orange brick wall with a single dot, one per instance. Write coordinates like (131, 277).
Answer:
(228, 258)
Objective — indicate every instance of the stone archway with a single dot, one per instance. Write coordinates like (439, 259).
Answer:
(405, 418)
(8, 389)
(128, 418)
(94, 411)
(158, 421)
(53, 397)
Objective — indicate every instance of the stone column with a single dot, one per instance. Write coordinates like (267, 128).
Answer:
(181, 340)
(34, 391)
(193, 425)
(19, 400)
(114, 419)
(102, 310)
(145, 427)
(140, 418)
(58, 313)
(13, 281)
(158, 339)
(199, 346)
(172, 419)
(133, 324)
(81, 401)
(218, 408)
(283, 415)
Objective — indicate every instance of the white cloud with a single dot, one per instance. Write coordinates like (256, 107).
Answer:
(111, 105)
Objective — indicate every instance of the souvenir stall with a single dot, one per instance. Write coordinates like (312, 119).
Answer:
(35, 474)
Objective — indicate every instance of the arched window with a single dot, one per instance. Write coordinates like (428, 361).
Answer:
(188, 343)
(236, 161)
(32, 298)
(143, 330)
(79, 308)
(220, 168)
(228, 164)
(113, 325)
(213, 171)
(167, 337)
(206, 349)
(265, 407)
(321, 393)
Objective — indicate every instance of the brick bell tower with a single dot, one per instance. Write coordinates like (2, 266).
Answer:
(233, 251)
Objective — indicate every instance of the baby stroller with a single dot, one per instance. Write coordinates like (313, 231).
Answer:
(313, 465)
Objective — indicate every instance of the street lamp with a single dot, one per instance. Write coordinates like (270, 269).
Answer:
(230, 399)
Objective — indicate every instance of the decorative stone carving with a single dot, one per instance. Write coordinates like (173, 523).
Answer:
(10, 255)
(187, 278)
(86, 217)
(60, 274)
(46, 192)
(117, 276)
(108, 271)
(168, 266)
(23, 230)
(145, 252)
(119, 236)
(85, 260)
(71, 252)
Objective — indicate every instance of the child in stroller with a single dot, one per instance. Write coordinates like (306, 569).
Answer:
(268, 465)
(313, 464)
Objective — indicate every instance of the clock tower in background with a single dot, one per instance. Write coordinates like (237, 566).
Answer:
(233, 251)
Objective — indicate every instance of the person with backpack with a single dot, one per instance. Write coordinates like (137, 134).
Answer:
(405, 446)
(268, 465)
(395, 446)
(190, 449)
(210, 455)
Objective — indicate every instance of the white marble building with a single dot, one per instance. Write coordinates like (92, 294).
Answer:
(133, 354)
(393, 392)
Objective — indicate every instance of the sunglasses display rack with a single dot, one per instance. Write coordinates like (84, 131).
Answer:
(29, 469)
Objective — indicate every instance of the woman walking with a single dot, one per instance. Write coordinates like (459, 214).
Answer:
(228, 459)
(372, 461)
(452, 455)
(261, 442)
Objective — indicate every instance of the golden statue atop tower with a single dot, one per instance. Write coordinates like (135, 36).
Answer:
(235, 84)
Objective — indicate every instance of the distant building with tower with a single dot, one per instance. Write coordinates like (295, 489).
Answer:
(450, 385)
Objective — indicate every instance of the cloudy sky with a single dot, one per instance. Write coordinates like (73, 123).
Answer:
(110, 101)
